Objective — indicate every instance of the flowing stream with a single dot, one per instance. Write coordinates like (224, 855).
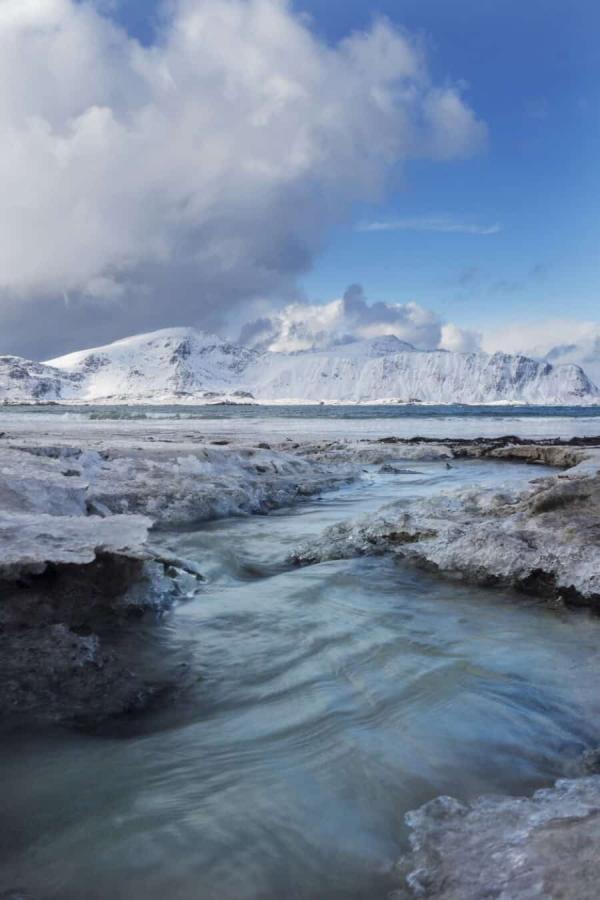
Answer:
(320, 705)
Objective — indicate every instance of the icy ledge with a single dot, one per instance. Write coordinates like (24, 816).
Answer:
(32, 542)
(544, 540)
(76, 565)
(521, 848)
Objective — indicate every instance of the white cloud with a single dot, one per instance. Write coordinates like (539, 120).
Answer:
(304, 326)
(459, 340)
(444, 224)
(172, 182)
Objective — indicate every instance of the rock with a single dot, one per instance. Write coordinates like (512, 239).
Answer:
(52, 674)
(590, 762)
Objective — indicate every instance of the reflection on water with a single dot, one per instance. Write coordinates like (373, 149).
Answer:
(325, 702)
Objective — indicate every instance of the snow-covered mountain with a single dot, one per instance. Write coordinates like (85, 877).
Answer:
(171, 364)
(392, 370)
(183, 364)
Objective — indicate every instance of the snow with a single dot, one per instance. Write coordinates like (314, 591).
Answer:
(167, 364)
(24, 381)
(178, 477)
(186, 365)
(44, 497)
(351, 376)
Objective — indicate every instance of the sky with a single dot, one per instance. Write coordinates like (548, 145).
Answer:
(238, 164)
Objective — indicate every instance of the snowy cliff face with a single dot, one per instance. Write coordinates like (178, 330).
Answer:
(24, 381)
(180, 364)
(366, 371)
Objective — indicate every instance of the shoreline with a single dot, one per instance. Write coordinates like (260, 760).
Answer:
(381, 403)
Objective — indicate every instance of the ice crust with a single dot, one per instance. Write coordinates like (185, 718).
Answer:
(30, 542)
(539, 848)
(212, 482)
(67, 504)
(32, 483)
(75, 519)
(545, 540)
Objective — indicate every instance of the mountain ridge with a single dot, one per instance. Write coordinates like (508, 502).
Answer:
(184, 364)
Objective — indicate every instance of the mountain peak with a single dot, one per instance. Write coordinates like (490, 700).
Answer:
(377, 346)
(167, 337)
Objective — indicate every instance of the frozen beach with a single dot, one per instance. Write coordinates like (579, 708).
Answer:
(238, 650)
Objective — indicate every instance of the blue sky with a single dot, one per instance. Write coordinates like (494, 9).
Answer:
(532, 73)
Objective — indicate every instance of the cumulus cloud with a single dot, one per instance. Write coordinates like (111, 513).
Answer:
(459, 340)
(149, 186)
(305, 326)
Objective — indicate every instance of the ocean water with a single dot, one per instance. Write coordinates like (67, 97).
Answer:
(321, 704)
(317, 421)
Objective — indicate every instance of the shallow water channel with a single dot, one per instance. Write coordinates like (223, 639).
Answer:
(320, 705)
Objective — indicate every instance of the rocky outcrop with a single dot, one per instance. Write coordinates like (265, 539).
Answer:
(54, 666)
(60, 578)
(55, 674)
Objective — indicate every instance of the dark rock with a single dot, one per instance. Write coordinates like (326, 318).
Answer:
(391, 469)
